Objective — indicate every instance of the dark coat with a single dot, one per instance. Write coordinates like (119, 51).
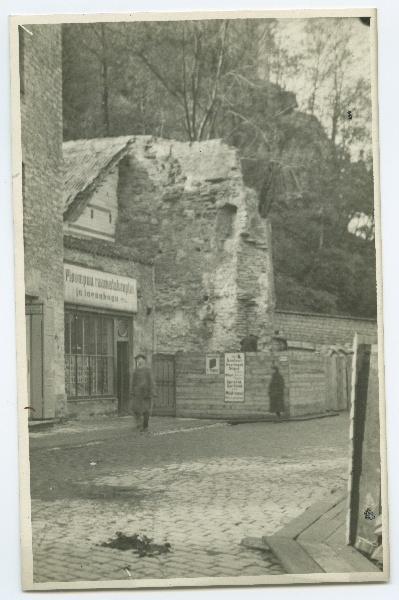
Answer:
(276, 392)
(142, 389)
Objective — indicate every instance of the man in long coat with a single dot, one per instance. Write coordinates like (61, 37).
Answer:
(142, 392)
(276, 392)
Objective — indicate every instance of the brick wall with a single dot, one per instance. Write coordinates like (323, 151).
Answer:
(323, 329)
(186, 206)
(202, 396)
(41, 119)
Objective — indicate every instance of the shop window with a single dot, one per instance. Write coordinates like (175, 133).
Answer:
(89, 355)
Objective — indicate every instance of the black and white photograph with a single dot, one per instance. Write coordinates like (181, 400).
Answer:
(198, 299)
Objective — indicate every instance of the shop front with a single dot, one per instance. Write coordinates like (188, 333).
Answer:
(98, 336)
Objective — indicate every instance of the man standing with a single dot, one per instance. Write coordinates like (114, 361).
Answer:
(276, 392)
(142, 392)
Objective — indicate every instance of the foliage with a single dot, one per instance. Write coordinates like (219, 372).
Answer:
(195, 80)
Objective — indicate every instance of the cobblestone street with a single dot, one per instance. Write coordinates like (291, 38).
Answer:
(198, 485)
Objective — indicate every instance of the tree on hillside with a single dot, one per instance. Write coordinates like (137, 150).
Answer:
(95, 41)
(195, 80)
(335, 92)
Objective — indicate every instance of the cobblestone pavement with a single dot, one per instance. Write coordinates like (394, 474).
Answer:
(202, 487)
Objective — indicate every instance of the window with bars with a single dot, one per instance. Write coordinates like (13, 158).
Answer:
(89, 355)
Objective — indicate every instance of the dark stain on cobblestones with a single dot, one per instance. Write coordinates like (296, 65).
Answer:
(143, 546)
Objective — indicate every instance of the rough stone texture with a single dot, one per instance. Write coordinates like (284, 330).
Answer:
(186, 206)
(41, 117)
(323, 329)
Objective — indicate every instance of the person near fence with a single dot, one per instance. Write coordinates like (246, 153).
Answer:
(276, 392)
(142, 392)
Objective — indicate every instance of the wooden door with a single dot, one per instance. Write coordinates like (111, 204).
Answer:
(36, 366)
(122, 377)
(28, 360)
(165, 383)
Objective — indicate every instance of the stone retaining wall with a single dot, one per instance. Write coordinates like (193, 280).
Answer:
(323, 329)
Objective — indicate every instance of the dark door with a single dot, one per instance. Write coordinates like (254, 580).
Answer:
(164, 375)
(34, 341)
(122, 377)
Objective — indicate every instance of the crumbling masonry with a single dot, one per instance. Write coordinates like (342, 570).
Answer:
(185, 206)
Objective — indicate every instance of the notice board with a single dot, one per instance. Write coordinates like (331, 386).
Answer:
(234, 375)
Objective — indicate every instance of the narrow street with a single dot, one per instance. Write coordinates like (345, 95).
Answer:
(199, 486)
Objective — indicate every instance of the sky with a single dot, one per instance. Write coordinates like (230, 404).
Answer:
(293, 38)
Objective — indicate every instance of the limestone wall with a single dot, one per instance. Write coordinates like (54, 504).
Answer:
(185, 206)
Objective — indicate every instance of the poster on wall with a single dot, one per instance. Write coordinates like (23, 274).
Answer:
(212, 364)
(234, 374)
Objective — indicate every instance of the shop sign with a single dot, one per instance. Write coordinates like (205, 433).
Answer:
(234, 375)
(212, 364)
(96, 288)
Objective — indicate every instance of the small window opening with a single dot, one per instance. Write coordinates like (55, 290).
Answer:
(92, 213)
(110, 217)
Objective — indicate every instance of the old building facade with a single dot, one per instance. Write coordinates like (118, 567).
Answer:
(41, 124)
(89, 299)
(134, 244)
(108, 286)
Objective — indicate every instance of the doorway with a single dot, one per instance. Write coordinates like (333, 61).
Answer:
(34, 356)
(164, 375)
(122, 377)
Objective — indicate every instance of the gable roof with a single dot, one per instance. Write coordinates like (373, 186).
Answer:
(86, 163)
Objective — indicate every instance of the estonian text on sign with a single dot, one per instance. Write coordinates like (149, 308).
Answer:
(234, 369)
(96, 288)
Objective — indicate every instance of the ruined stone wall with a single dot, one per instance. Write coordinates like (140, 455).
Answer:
(186, 206)
(41, 123)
